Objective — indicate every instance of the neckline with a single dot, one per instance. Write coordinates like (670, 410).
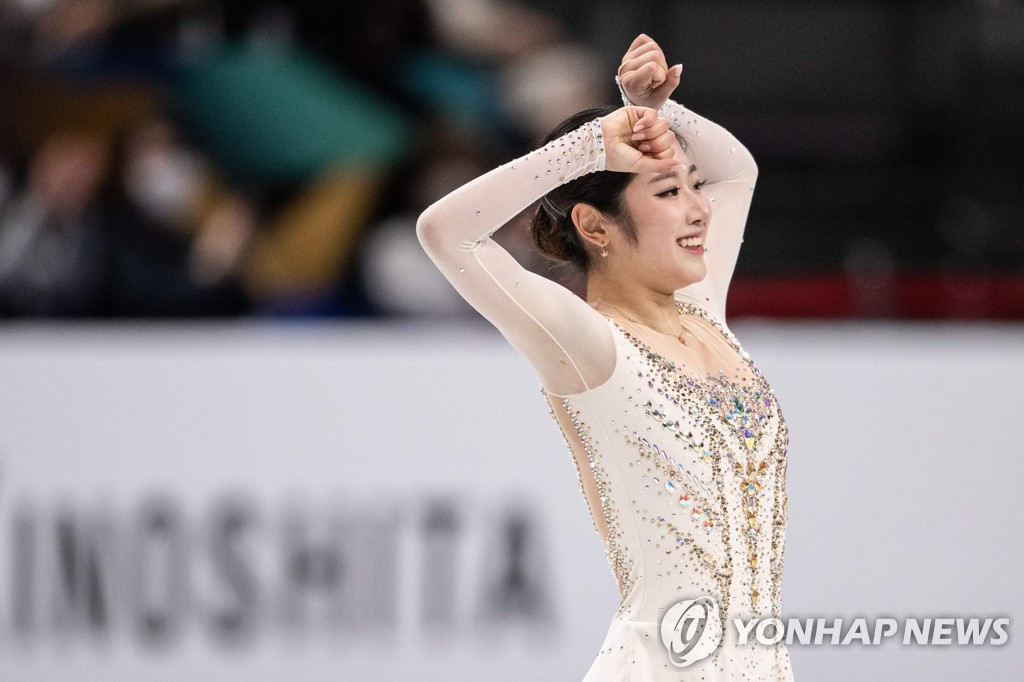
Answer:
(693, 310)
(689, 309)
(625, 318)
(693, 345)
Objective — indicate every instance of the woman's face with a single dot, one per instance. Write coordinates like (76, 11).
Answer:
(671, 218)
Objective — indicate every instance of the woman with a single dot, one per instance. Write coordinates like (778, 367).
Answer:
(679, 442)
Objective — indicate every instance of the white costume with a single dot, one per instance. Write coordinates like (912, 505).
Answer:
(680, 447)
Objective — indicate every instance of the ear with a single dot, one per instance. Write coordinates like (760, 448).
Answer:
(591, 224)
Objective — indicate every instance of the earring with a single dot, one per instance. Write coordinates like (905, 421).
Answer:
(604, 252)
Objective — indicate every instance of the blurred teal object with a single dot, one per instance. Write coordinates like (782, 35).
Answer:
(282, 116)
(460, 90)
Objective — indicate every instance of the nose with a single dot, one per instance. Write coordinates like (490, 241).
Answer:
(700, 211)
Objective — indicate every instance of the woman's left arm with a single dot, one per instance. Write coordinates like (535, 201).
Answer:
(722, 161)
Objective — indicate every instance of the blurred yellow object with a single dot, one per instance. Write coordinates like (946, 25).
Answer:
(311, 243)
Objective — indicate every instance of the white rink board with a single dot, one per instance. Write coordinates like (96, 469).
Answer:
(347, 502)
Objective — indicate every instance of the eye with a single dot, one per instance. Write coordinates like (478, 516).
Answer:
(669, 193)
(699, 184)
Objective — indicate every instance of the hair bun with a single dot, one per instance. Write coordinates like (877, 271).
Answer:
(556, 238)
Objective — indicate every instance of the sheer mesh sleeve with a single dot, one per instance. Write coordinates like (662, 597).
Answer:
(730, 173)
(567, 342)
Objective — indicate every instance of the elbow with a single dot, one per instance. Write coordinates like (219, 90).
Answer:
(748, 167)
(426, 230)
(739, 166)
(434, 235)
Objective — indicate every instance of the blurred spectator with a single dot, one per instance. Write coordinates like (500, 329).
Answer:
(52, 246)
(64, 25)
(177, 243)
(481, 27)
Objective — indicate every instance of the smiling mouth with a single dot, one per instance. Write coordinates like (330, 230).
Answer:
(694, 245)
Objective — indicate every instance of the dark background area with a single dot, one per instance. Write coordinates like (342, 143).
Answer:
(185, 159)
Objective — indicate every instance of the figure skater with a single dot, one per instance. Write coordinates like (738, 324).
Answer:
(678, 439)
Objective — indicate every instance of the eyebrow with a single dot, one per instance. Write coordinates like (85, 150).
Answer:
(671, 174)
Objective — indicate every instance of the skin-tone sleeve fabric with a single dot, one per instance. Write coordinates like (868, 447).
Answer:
(568, 343)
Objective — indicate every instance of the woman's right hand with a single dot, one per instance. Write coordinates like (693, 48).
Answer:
(637, 141)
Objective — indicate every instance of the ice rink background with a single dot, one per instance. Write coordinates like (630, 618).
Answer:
(394, 502)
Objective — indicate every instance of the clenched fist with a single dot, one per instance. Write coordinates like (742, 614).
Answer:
(637, 141)
(644, 74)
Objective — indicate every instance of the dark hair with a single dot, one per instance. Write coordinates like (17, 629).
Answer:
(552, 228)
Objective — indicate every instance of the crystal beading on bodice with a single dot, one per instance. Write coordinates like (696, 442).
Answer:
(691, 475)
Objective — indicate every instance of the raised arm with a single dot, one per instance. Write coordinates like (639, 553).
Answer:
(567, 342)
(721, 160)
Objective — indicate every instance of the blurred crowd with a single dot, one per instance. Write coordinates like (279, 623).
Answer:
(196, 158)
(225, 157)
